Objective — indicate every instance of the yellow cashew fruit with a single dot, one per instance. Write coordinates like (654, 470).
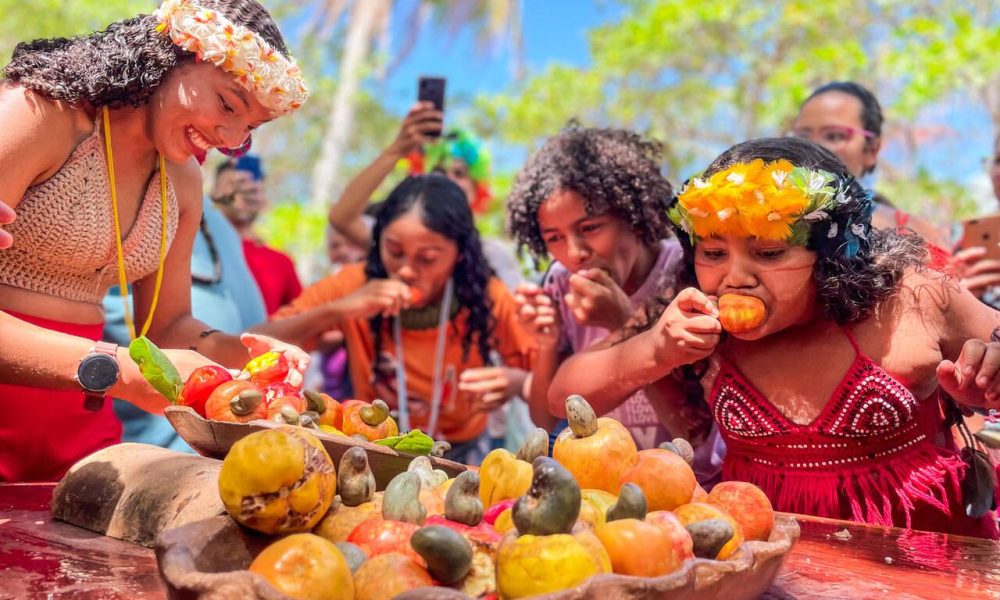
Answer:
(278, 480)
(502, 476)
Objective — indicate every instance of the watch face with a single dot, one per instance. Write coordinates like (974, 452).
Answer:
(98, 372)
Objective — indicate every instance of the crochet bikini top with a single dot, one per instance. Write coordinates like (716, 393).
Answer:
(64, 236)
(870, 454)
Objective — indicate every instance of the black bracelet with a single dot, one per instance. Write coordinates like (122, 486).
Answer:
(203, 335)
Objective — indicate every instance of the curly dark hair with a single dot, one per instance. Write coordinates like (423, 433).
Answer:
(616, 171)
(857, 268)
(444, 209)
(124, 64)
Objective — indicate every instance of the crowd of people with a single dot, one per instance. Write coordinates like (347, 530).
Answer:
(840, 401)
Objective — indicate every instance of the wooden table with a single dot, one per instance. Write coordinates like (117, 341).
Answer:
(41, 558)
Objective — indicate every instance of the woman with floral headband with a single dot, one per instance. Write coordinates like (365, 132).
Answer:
(839, 348)
(98, 156)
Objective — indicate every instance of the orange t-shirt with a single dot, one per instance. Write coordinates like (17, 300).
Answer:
(456, 421)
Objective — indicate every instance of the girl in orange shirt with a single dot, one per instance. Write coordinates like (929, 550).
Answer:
(423, 308)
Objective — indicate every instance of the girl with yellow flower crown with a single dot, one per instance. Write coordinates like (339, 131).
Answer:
(825, 351)
(99, 155)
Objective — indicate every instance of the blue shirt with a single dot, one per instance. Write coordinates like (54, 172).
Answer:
(232, 304)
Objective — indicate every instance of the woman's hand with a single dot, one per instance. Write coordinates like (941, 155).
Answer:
(596, 300)
(419, 125)
(688, 330)
(134, 388)
(298, 359)
(7, 215)
(379, 296)
(975, 273)
(490, 387)
(536, 311)
(972, 379)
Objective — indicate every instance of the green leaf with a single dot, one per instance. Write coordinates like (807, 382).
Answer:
(156, 368)
(415, 442)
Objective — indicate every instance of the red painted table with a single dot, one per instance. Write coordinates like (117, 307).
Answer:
(44, 558)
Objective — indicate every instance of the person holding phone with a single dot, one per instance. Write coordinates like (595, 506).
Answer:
(978, 266)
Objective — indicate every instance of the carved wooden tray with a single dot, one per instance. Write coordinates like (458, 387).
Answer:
(214, 438)
(208, 559)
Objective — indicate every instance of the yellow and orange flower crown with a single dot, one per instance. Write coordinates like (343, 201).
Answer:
(768, 201)
(275, 80)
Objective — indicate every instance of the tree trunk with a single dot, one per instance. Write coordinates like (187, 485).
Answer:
(360, 32)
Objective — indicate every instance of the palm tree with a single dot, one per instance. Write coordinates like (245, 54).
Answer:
(368, 23)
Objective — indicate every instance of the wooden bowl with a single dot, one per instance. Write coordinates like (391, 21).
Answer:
(214, 438)
(207, 560)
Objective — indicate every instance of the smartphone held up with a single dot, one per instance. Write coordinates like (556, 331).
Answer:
(431, 89)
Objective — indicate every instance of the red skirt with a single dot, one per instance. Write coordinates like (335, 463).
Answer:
(44, 431)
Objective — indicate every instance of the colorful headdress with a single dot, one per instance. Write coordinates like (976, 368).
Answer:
(461, 145)
(276, 81)
(769, 201)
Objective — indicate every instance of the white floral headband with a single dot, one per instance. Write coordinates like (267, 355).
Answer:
(275, 80)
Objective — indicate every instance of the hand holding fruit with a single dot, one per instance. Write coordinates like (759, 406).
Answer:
(384, 297)
(153, 382)
(596, 300)
(688, 330)
(295, 360)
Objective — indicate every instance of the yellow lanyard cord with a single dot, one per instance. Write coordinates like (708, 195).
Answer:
(122, 279)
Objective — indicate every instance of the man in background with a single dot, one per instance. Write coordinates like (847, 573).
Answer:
(274, 270)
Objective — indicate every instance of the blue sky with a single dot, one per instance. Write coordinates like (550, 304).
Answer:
(553, 31)
(556, 31)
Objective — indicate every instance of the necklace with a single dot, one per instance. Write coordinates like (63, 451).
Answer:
(122, 279)
(438, 385)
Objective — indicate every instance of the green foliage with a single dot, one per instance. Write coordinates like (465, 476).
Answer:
(25, 21)
(701, 75)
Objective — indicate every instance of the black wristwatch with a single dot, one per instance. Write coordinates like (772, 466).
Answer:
(98, 371)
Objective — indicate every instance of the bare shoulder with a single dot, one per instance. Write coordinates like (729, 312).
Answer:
(187, 182)
(38, 134)
(926, 291)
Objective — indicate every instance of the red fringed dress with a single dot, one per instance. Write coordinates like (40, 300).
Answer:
(871, 455)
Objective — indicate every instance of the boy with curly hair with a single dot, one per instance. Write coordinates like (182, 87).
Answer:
(594, 200)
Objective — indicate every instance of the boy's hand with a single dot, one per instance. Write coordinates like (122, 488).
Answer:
(596, 300)
(537, 313)
(972, 379)
(689, 328)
